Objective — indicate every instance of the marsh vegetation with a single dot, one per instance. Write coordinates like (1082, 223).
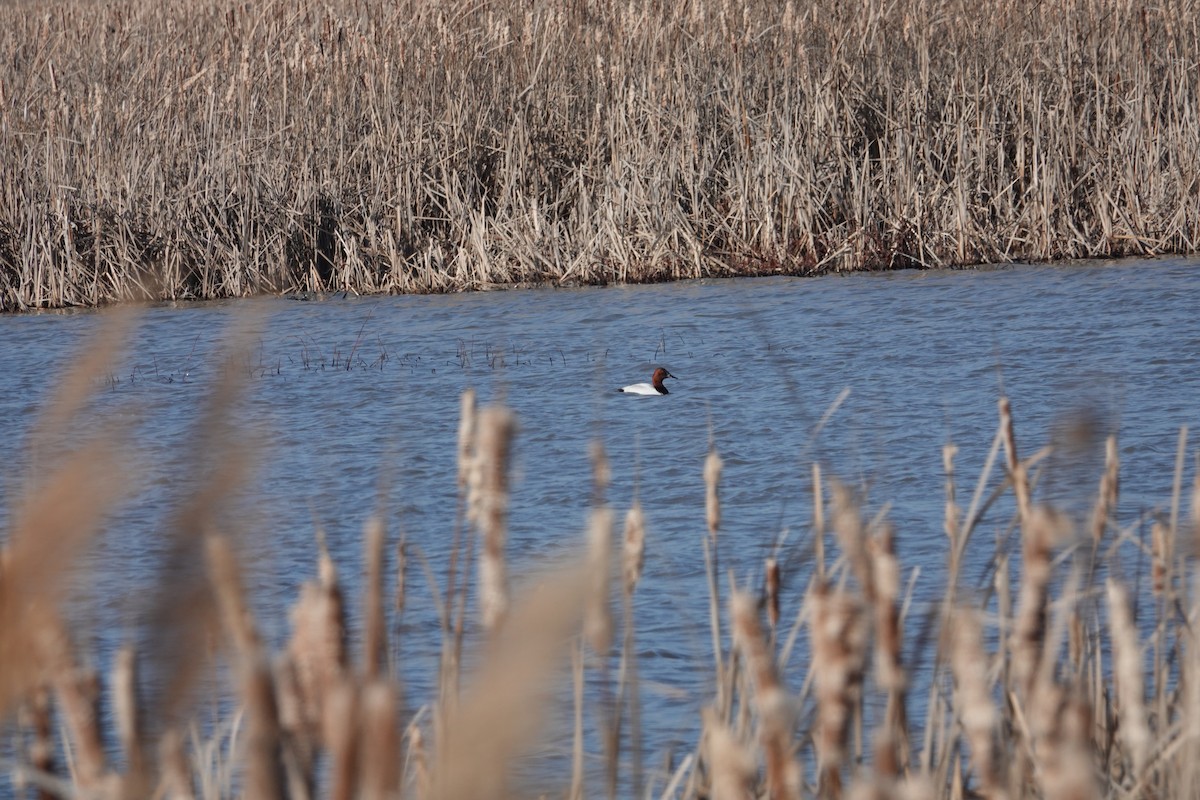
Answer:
(194, 150)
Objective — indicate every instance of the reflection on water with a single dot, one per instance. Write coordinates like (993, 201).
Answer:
(348, 400)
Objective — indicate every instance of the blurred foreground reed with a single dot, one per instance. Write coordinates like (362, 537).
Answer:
(1039, 681)
(185, 149)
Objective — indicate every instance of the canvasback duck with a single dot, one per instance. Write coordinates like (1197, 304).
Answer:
(654, 387)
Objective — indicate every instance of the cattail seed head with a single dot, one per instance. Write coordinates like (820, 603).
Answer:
(749, 640)
(597, 619)
(374, 626)
(1127, 674)
(950, 524)
(125, 708)
(1160, 541)
(317, 649)
(1043, 530)
(176, 777)
(818, 522)
(1196, 513)
(495, 434)
(379, 757)
(974, 701)
(466, 437)
(772, 586)
(712, 481)
(885, 577)
(730, 762)
(1106, 498)
(771, 700)
(601, 471)
(1064, 755)
(401, 575)
(341, 738)
(634, 552)
(839, 642)
(418, 760)
(1016, 470)
(852, 535)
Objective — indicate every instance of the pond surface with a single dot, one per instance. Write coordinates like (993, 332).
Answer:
(917, 358)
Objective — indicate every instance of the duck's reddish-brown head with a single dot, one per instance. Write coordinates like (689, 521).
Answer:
(659, 375)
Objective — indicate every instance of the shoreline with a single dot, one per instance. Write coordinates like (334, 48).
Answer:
(325, 295)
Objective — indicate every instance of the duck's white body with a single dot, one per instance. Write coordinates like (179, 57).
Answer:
(640, 388)
(654, 387)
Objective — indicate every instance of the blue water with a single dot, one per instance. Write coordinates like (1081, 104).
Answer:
(349, 405)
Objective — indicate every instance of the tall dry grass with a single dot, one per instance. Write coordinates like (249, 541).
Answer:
(190, 149)
(1083, 687)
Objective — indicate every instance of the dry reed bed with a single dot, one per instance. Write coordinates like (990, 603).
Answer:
(1041, 682)
(193, 150)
